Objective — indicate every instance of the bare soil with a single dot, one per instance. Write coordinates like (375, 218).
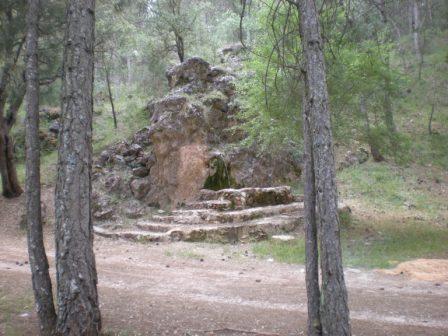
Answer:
(203, 289)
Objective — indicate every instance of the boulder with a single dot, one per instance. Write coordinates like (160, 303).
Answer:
(140, 172)
(113, 182)
(190, 143)
(356, 157)
(104, 214)
(193, 70)
(134, 210)
(139, 188)
(190, 139)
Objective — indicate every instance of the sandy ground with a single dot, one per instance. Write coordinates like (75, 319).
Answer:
(201, 289)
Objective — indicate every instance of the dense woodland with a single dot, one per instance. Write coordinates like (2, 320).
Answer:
(329, 81)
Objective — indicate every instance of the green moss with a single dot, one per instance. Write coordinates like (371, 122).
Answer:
(221, 179)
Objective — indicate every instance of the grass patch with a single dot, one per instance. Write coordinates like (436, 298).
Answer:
(366, 245)
(183, 253)
(389, 188)
(131, 117)
(11, 306)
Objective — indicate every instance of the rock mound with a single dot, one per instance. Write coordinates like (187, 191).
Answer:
(190, 145)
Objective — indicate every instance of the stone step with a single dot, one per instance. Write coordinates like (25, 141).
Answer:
(219, 205)
(204, 216)
(254, 230)
(133, 235)
(250, 197)
(155, 227)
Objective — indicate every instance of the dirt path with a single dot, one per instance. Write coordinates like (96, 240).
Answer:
(189, 289)
(168, 290)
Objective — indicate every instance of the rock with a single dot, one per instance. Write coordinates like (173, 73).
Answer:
(250, 197)
(250, 168)
(139, 188)
(351, 158)
(118, 159)
(104, 214)
(174, 104)
(55, 127)
(134, 211)
(142, 137)
(133, 150)
(191, 145)
(225, 85)
(140, 172)
(100, 202)
(283, 238)
(113, 183)
(194, 69)
(105, 157)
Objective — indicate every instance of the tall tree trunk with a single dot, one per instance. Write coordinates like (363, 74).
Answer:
(78, 308)
(129, 66)
(334, 308)
(429, 10)
(377, 157)
(387, 102)
(388, 108)
(10, 183)
(43, 293)
(109, 91)
(180, 47)
(311, 245)
(415, 19)
(431, 115)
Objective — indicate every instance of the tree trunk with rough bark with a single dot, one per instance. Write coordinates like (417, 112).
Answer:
(109, 91)
(78, 308)
(415, 20)
(10, 183)
(334, 304)
(311, 245)
(43, 293)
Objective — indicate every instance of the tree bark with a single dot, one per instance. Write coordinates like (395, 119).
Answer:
(415, 19)
(10, 183)
(311, 245)
(377, 157)
(78, 308)
(41, 280)
(334, 307)
(180, 46)
(109, 91)
(431, 115)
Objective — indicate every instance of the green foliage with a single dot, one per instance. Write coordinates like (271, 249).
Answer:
(389, 188)
(221, 178)
(270, 90)
(131, 115)
(364, 245)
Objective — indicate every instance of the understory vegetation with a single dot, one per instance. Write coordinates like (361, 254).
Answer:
(399, 204)
(398, 214)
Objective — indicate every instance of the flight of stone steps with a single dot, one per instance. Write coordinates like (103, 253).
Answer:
(225, 216)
